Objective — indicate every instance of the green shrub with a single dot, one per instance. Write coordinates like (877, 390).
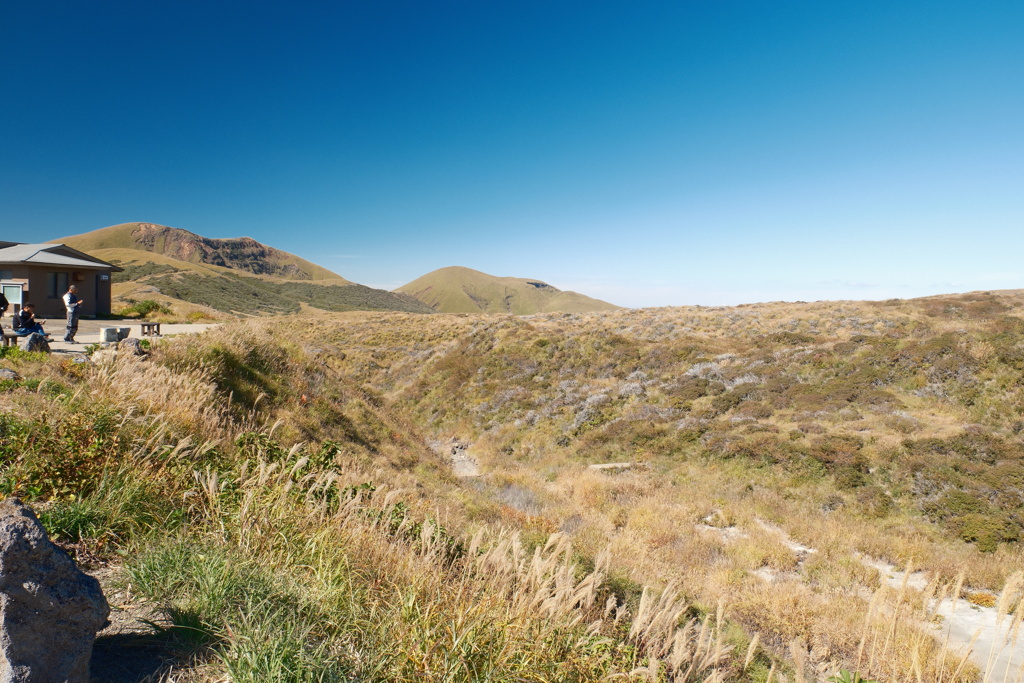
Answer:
(986, 530)
(839, 451)
(15, 353)
(62, 458)
(141, 309)
(692, 388)
(725, 402)
(135, 271)
(845, 676)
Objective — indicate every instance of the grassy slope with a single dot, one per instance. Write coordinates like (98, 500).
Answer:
(835, 424)
(325, 561)
(122, 237)
(889, 430)
(214, 290)
(248, 296)
(463, 290)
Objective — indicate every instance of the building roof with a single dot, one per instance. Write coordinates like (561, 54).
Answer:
(51, 255)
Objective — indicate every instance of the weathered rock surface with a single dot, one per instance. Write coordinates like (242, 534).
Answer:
(131, 345)
(35, 342)
(49, 610)
(7, 373)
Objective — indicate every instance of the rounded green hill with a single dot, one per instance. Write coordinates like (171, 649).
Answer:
(463, 290)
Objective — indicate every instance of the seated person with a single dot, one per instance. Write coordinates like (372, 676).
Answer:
(25, 321)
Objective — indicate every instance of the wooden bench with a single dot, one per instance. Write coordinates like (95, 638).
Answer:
(10, 338)
(150, 329)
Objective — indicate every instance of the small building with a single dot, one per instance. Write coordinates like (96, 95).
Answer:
(42, 273)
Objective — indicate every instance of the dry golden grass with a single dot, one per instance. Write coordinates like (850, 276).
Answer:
(653, 518)
(761, 493)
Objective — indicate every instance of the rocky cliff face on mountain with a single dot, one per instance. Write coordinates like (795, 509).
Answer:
(240, 253)
(237, 253)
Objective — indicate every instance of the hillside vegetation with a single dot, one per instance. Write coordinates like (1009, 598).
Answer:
(463, 290)
(286, 499)
(197, 277)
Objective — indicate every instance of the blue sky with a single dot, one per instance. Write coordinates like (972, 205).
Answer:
(645, 153)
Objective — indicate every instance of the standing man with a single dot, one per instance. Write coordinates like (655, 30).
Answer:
(72, 302)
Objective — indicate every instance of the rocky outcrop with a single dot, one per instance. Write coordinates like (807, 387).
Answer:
(238, 253)
(35, 342)
(49, 610)
(131, 345)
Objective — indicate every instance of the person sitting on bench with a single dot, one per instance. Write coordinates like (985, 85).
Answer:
(25, 322)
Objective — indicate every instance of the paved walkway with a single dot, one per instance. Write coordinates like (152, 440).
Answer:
(89, 331)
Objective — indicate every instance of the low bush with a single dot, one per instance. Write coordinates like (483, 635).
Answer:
(142, 309)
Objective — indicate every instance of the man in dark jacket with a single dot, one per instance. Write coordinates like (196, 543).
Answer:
(25, 321)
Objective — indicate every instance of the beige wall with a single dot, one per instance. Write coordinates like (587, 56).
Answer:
(92, 289)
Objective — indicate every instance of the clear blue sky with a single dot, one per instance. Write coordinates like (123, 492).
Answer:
(647, 153)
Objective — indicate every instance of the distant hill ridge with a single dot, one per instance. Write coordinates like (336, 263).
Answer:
(240, 276)
(237, 253)
(463, 290)
(217, 277)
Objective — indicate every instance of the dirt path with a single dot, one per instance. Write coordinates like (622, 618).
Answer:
(457, 454)
(962, 621)
(964, 625)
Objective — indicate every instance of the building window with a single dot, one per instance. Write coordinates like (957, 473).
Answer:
(56, 285)
(13, 294)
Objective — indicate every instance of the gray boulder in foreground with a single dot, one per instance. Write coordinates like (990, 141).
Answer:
(50, 610)
(35, 342)
(131, 345)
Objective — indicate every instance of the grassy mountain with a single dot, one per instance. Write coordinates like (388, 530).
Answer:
(463, 290)
(282, 497)
(197, 276)
(241, 253)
